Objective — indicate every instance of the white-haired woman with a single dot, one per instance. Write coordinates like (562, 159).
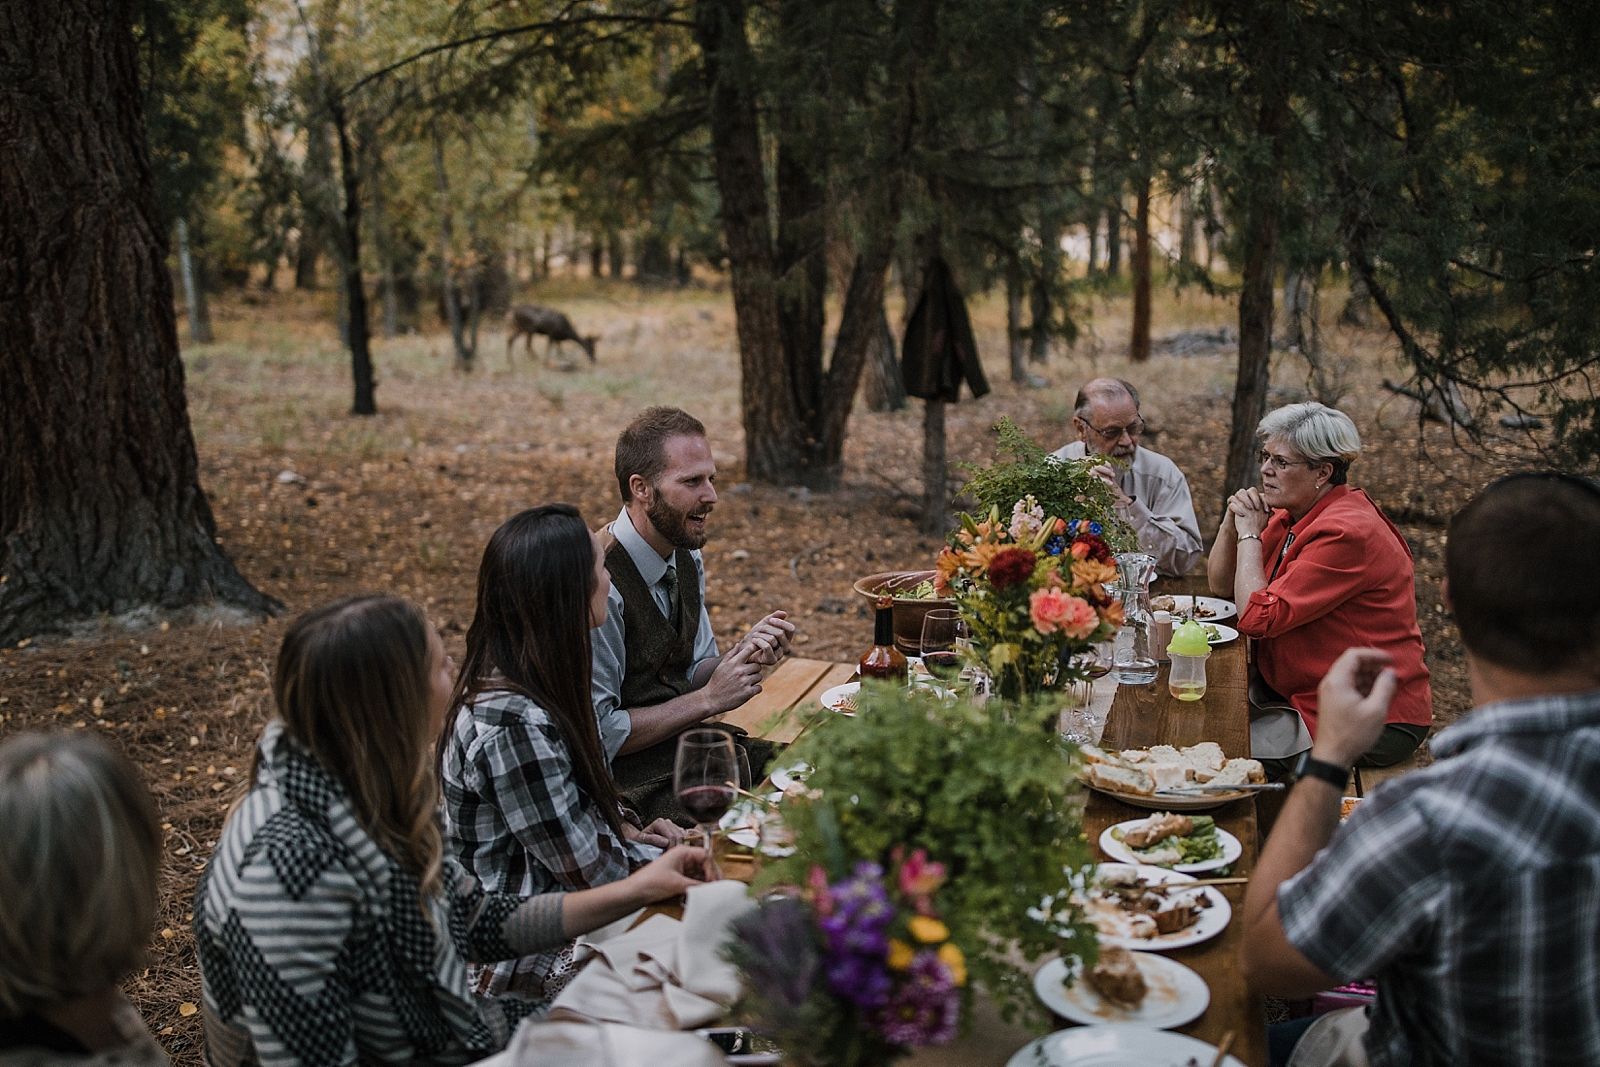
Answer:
(78, 860)
(1317, 568)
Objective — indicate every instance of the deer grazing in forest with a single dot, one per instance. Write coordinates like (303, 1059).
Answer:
(525, 320)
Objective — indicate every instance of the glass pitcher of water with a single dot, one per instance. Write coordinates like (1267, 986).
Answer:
(1134, 655)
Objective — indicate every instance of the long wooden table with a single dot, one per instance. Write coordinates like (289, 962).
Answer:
(1140, 716)
(1145, 715)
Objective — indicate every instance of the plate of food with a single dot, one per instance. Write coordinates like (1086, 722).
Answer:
(1188, 843)
(841, 698)
(1217, 634)
(1200, 608)
(1117, 1046)
(746, 824)
(1163, 778)
(786, 778)
(1149, 910)
(1123, 987)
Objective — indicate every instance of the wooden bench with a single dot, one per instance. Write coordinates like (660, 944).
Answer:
(1368, 778)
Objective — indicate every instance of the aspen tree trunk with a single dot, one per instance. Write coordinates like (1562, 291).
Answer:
(1139, 340)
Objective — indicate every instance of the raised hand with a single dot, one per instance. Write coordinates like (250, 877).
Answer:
(771, 636)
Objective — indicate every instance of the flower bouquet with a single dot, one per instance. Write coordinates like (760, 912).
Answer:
(928, 836)
(1033, 593)
(857, 970)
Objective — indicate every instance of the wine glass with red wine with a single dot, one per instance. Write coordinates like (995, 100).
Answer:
(706, 777)
(943, 632)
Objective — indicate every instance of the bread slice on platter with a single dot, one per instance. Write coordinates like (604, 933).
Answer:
(1119, 779)
(1240, 772)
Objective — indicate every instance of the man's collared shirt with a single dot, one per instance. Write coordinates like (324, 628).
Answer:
(609, 640)
(1161, 511)
(1470, 890)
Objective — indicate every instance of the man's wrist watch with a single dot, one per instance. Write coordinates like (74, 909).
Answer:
(1332, 773)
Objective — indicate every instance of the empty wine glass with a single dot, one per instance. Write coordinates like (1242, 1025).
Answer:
(706, 778)
(943, 633)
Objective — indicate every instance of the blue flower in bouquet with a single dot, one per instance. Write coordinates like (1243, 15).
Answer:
(863, 979)
(926, 1009)
(1096, 529)
(1056, 545)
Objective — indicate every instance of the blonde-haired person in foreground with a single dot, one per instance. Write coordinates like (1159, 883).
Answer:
(1317, 568)
(78, 860)
(330, 925)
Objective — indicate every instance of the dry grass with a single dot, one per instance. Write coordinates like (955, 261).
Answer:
(403, 501)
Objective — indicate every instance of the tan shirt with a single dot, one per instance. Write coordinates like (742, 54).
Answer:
(1160, 512)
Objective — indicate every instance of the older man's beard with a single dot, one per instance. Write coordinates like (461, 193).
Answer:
(671, 524)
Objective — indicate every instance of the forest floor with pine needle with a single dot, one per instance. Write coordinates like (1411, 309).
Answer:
(314, 505)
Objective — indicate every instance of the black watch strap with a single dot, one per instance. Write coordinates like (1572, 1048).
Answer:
(1332, 773)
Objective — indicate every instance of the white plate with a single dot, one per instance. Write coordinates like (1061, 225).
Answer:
(1231, 849)
(1116, 1046)
(1221, 609)
(1176, 994)
(784, 777)
(743, 826)
(1224, 633)
(1195, 802)
(833, 696)
(1213, 920)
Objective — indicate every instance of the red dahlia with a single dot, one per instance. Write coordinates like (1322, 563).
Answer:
(1010, 566)
(1099, 551)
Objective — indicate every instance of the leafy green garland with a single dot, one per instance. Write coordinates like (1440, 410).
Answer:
(1064, 488)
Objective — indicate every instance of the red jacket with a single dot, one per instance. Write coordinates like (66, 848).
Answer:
(1346, 581)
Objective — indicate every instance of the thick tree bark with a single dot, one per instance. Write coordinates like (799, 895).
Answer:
(1139, 339)
(101, 509)
(801, 266)
(1255, 305)
(772, 449)
(885, 389)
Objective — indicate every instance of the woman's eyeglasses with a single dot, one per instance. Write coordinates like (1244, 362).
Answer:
(1279, 463)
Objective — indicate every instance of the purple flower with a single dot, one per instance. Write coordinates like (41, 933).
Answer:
(862, 979)
(925, 1010)
(861, 913)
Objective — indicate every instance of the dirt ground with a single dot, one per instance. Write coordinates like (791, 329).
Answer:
(314, 505)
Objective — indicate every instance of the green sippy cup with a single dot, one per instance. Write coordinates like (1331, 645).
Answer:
(1189, 650)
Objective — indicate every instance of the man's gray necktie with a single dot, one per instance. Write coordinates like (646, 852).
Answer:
(670, 581)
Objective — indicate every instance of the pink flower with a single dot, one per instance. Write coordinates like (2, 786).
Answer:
(822, 897)
(1053, 609)
(919, 877)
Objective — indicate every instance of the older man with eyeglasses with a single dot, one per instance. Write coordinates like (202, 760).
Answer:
(1152, 493)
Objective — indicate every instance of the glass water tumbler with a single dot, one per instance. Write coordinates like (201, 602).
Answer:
(1186, 679)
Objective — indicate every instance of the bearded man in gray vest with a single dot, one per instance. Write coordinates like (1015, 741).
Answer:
(656, 669)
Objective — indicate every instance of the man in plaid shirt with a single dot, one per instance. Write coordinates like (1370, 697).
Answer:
(1468, 889)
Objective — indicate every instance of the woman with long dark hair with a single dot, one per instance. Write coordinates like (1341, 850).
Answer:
(331, 926)
(529, 800)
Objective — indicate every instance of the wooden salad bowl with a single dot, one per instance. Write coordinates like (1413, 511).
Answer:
(909, 612)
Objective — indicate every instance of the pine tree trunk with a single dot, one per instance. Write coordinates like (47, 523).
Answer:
(194, 291)
(1016, 338)
(360, 340)
(447, 270)
(616, 255)
(885, 388)
(800, 263)
(1186, 225)
(1255, 308)
(1092, 224)
(1044, 284)
(772, 448)
(1139, 340)
(101, 509)
(1114, 241)
(935, 473)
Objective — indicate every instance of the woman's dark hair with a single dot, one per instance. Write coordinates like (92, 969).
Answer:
(532, 626)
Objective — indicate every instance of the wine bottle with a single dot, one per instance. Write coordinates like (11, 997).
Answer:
(883, 661)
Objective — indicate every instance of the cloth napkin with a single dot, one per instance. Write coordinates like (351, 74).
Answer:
(573, 1044)
(665, 974)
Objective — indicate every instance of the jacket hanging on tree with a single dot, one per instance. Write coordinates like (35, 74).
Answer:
(939, 351)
